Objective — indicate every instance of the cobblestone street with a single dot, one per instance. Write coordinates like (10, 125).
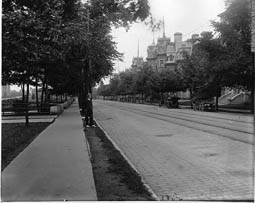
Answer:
(181, 153)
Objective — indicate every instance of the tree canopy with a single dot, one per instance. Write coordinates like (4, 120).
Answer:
(235, 36)
(52, 36)
(65, 44)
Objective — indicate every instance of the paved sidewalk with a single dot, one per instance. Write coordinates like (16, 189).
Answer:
(55, 166)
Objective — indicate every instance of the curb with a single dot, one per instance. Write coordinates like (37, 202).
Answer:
(86, 140)
(153, 195)
(90, 156)
(88, 147)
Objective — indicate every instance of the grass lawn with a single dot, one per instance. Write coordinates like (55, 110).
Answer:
(16, 137)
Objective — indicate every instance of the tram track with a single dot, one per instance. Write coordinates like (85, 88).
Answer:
(190, 118)
(232, 132)
(217, 115)
(191, 157)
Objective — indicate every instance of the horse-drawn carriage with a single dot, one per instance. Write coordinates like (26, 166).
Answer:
(204, 98)
(172, 102)
(203, 104)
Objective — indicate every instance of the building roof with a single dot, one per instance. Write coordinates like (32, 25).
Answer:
(178, 33)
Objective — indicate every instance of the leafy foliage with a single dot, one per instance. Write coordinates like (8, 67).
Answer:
(53, 40)
(235, 36)
(225, 60)
(145, 82)
(62, 43)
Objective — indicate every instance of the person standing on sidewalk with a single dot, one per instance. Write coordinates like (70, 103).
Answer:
(89, 111)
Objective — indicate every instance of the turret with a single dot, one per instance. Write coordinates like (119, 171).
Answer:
(178, 40)
(195, 36)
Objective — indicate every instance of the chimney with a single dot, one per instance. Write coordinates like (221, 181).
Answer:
(178, 40)
(195, 36)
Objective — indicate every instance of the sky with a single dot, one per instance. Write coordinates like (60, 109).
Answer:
(185, 16)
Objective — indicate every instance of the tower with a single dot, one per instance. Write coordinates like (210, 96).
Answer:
(177, 40)
(137, 62)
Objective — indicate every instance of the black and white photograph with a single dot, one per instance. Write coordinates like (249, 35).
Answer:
(127, 100)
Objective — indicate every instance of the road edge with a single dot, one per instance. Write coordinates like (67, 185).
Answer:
(147, 187)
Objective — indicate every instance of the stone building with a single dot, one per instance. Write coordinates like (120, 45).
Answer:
(137, 64)
(165, 54)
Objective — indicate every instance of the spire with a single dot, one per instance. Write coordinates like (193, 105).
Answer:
(164, 34)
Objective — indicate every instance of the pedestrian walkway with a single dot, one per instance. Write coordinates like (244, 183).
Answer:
(231, 110)
(54, 167)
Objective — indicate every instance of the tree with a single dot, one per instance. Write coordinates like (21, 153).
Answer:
(193, 70)
(205, 71)
(142, 81)
(96, 44)
(235, 35)
(30, 30)
(56, 42)
(171, 81)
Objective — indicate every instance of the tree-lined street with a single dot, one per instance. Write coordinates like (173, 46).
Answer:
(216, 61)
(62, 47)
(66, 49)
(184, 154)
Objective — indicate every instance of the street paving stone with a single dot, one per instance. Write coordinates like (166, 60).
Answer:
(180, 161)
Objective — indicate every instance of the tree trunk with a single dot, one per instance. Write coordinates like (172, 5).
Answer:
(36, 93)
(27, 102)
(46, 91)
(191, 98)
(217, 103)
(253, 88)
(253, 99)
(42, 94)
(23, 92)
(85, 85)
(217, 97)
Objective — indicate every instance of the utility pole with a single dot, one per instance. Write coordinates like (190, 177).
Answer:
(86, 91)
(164, 32)
(253, 51)
(89, 71)
(253, 69)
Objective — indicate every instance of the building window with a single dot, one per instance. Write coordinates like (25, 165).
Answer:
(171, 58)
(181, 55)
(161, 63)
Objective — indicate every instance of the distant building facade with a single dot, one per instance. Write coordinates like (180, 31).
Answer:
(165, 54)
(137, 64)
